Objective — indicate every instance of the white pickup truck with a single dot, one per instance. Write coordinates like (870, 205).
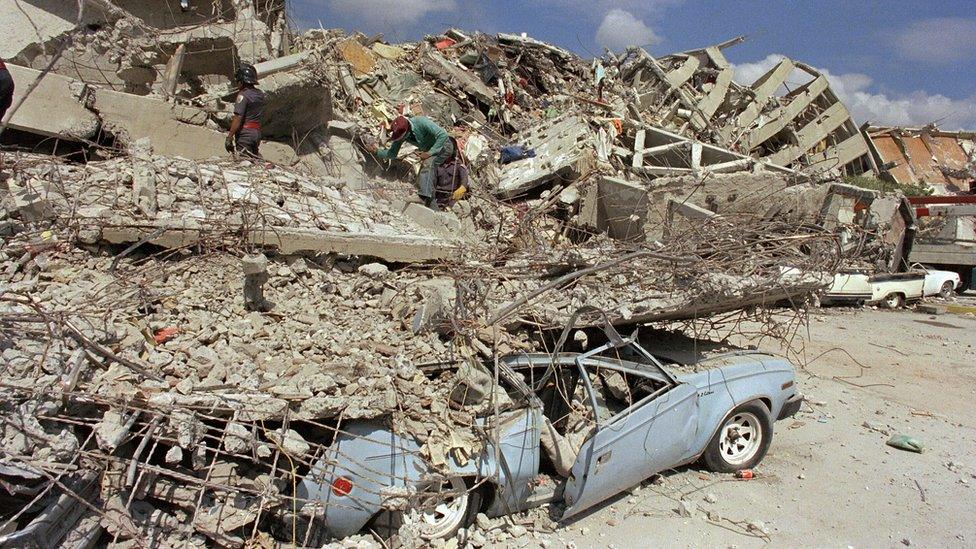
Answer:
(890, 290)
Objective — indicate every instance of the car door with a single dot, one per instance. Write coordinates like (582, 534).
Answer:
(648, 437)
(932, 283)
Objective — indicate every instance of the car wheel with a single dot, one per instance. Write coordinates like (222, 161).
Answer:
(893, 301)
(741, 441)
(945, 292)
(447, 507)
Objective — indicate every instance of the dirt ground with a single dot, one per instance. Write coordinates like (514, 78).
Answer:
(829, 480)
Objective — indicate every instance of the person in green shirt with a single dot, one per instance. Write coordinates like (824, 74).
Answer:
(434, 145)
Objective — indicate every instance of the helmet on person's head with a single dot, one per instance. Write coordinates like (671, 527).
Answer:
(399, 128)
(246, 74)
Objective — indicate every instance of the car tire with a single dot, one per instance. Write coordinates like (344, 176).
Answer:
(445, 518)
(893, 301)
(945, 292)
(732, 449)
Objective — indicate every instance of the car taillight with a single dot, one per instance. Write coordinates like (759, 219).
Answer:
(341, 486)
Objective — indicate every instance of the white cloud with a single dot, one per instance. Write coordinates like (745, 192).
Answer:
(392, 12)
(621, 28)
(939, 40)
(747, 73)
(640, 7)
(854, 89)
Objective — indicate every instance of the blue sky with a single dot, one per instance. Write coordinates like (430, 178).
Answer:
(895, 62)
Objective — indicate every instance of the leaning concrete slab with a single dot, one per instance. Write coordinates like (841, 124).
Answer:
(560, 148)
(812, 133)
(281, 64)
(25, 24)
(778, 119)
(53, 108)
(174, 130)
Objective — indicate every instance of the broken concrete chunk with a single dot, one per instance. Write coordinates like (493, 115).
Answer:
(237, 439)
(376, 271)
(31, 204)
(219, 521)
(174, 455)
(291, 442)
(111, 430)
(143, 177)
(188, 428)
(341, 128)
(255, 268)
(473, 384)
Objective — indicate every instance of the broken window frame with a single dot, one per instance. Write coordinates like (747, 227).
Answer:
(590, 359)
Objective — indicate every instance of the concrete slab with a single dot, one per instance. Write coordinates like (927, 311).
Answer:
(618, 208)
(53, 108)
(444, 224)
(297, 103)
(398, 248)
(437, 66)
(281, 64)
(25, 23)
(559, 148)
(131, 117)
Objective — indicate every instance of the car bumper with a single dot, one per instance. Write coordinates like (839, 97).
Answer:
(790, 407)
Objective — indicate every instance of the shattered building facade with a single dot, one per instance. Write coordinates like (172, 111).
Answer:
(184, 333)
(945, 161)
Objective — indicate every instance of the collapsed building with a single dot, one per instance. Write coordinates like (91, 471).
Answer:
(939, 167)
(184, 333)
(941, 160)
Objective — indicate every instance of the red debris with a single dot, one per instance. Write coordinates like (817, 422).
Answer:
(163, 335)
(445, 43)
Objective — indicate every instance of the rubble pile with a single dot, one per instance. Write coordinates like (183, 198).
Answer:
(185, 333)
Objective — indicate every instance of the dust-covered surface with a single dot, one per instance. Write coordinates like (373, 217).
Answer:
(829, 479)
(186, 333)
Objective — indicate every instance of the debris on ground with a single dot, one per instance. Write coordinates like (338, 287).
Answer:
(184, 333)
(905, 442)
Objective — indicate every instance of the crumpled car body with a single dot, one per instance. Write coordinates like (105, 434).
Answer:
(668, 421)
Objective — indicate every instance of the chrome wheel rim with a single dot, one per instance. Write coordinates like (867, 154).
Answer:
(946, 289)
(442, 509)
(741, 438)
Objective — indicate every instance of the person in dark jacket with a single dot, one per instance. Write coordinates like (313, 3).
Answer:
(6, 89)
(245, 128)
(435, 147)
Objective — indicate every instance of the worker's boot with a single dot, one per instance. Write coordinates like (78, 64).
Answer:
(432, 204)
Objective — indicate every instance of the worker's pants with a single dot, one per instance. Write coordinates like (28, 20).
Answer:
(248, 141)
(6, 92)
(428, 173)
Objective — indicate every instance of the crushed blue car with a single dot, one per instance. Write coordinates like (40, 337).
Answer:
(594, 423)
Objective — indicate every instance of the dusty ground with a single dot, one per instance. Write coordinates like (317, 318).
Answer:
(828, 479)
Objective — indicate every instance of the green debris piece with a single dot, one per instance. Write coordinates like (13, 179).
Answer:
(469, 58)
(905, 442)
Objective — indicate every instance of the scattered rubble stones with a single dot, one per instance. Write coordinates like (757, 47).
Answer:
(298, 296)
